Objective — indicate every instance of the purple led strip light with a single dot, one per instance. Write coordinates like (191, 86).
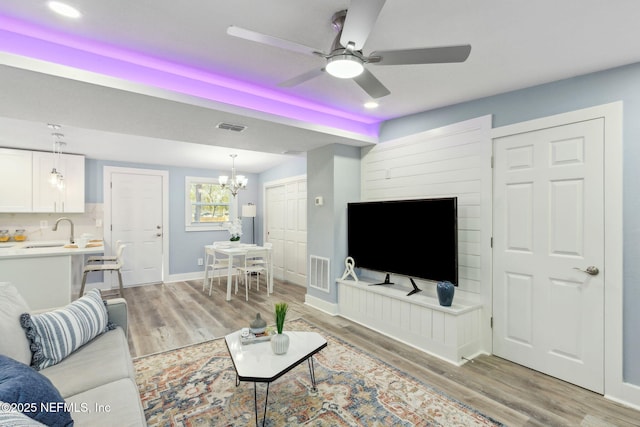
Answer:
(27, 40)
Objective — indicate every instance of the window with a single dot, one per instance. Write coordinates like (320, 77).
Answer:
(207, 206)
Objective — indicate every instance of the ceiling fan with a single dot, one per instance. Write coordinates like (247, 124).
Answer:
(345, 58)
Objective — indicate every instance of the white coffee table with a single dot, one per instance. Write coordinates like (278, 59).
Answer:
(256, 362)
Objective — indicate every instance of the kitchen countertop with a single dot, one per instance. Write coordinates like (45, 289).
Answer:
(44, 249)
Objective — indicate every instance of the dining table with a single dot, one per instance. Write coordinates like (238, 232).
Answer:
(234, 252)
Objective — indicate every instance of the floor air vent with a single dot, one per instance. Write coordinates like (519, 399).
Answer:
(319, 273)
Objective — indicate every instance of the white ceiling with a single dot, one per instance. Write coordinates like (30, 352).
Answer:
(515, 44)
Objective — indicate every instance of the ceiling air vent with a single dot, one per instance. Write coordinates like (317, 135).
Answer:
(231, 127)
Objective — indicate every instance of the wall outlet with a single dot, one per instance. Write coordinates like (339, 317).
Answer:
(200, 261)
(98, 223)
(44, 224)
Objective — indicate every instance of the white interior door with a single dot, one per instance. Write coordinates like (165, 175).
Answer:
(295, 268)
(275, 233)
(286, 228)
(549, 220)
(137, 220)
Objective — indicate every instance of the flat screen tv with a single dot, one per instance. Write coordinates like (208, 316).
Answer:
(415, 238)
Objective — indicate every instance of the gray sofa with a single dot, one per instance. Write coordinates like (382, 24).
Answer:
(97, 380)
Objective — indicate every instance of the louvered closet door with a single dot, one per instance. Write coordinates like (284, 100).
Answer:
(548, 220)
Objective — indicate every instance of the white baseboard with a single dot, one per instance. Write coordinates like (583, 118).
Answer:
(196, 275)
(627, 394)
(105, 286)
(322, 305)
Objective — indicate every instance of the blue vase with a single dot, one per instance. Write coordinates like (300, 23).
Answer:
(445, 293)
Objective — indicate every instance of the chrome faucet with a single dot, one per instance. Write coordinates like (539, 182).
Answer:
(64, 218)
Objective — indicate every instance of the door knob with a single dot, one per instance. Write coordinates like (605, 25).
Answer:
(158, 227)
(158, 234)
(591, 270)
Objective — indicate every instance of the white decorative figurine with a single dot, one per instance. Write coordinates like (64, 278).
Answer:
(349, 264)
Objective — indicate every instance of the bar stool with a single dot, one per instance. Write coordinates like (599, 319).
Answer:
(105, 258)
(107, 266)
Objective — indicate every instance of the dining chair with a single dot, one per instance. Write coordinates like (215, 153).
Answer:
(106, 266)
(214, 262)
(249, 267)
(266, 262)
(262, 260)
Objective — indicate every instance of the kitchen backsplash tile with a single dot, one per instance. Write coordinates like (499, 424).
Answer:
(83, 223)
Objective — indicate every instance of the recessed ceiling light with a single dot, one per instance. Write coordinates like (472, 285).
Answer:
(371, 105)
(64, 9)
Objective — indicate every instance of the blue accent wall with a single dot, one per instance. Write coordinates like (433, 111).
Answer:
(185, 246)
(619, 84)
(334, 174)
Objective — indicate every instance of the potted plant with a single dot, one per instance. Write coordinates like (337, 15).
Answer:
(235, 230)
(280, 341)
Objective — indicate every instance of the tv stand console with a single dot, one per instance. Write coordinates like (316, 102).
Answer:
(450, 333)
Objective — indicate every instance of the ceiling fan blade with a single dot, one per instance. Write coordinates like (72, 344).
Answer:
(371, 85)
(429, 55)
(270, 40)
(302, 78)
(361, 16)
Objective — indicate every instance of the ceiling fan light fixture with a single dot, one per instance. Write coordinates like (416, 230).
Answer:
(344, 66)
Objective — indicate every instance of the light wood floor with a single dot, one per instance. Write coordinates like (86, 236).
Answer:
(162, 317)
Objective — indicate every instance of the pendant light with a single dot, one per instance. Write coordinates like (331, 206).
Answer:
(236, 183)
(56, 179)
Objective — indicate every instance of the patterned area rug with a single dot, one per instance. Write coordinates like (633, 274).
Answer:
(195, 386)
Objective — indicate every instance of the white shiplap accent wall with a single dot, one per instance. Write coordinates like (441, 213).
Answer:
(450, 161)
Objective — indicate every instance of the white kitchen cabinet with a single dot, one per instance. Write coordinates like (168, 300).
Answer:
(48, 198)
(15, 180)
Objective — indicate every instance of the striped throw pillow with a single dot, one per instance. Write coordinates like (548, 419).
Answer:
(56, 334)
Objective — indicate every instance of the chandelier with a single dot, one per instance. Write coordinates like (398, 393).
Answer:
(236, 183)
(55, 176)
